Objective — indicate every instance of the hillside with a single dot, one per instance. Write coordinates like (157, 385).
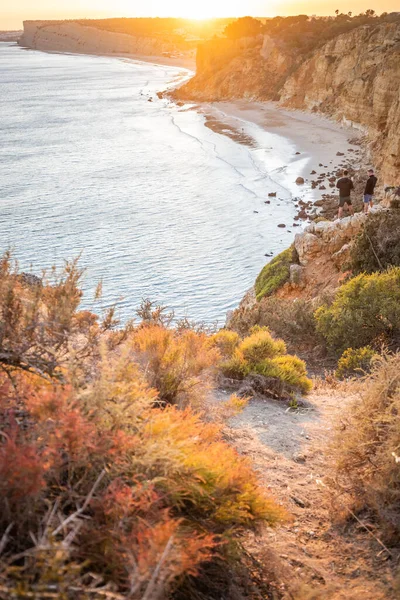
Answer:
(354, 78)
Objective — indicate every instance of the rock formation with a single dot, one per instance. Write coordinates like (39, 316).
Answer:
(71, 36)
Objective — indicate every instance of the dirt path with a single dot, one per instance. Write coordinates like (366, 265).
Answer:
(327, 559)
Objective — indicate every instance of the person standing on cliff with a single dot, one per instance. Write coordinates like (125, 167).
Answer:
(369, 190)
(345, 185)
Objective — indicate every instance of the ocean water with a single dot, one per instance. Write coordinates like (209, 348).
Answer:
(159, 205)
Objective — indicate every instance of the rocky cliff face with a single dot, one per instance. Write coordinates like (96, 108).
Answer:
(354, 78)
(252, 68)
(69, 36)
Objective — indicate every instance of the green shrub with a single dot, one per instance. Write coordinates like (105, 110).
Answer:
(289, 369)
(365, 310)
(236, 367)
(377, 247)
(355, 361)
(275, 274)
(260, 345)
(226, 341)
(261, 354)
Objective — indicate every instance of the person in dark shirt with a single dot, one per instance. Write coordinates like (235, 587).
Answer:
(345, 185)
(369, 190)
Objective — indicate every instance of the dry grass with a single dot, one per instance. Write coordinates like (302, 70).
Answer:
(367, 447)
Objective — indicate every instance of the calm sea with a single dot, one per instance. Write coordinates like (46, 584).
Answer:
(159, 205)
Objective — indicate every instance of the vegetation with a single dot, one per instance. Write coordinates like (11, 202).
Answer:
(106, 488)
(355, 361)
(243, 27)
(260, 354)
(301, 33)
(365, 311)
(292, 320)
(367, 447)
(377, 247)
(275, 274)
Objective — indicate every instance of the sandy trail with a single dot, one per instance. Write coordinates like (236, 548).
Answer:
(288, 449)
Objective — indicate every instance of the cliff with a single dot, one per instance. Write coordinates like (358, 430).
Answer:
(71, 36)
(354, 78)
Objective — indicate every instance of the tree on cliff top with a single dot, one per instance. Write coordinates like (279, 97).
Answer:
(243, 27)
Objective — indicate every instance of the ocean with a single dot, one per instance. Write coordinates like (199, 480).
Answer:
(158, 203)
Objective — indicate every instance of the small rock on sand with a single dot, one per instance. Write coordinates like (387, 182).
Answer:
(300, 181)
(281, 225)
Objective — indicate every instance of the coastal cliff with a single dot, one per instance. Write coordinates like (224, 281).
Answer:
(354, 78)
(72, 36)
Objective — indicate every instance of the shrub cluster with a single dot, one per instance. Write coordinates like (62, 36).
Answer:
(107, 488)
(365, 311)
(367, 446)
(261, 354)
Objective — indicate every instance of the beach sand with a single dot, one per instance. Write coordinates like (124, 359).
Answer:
(315, 142)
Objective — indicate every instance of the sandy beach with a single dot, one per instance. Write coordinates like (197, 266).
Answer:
(315, 143)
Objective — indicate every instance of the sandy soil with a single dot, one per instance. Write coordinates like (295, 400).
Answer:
(335, 560)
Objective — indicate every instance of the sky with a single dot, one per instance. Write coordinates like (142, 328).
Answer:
(13, 12)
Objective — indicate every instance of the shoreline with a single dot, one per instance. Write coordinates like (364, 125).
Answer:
(182, 62)
(318, 144)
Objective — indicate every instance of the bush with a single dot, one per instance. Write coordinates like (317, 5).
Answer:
(377, 246)
(355, 361)
(367, 446)
(102, 493)
(243, 27)
(40, 326)
(176, 364)
(260, 354)
(259, 345)
(291, 319)
(225, 341)
(236, 367)
(365, 311)
(275, 274)
(98, 489)
(289, 370)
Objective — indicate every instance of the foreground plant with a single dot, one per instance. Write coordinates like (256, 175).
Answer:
(367, 448)
(107, 489)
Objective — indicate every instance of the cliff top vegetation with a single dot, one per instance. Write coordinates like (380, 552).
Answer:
(305, 33)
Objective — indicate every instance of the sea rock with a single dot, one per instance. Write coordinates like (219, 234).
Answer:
(281, 225)
(300, 181)
(272, 194)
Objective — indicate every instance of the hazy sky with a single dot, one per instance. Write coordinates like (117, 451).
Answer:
(13, 12)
